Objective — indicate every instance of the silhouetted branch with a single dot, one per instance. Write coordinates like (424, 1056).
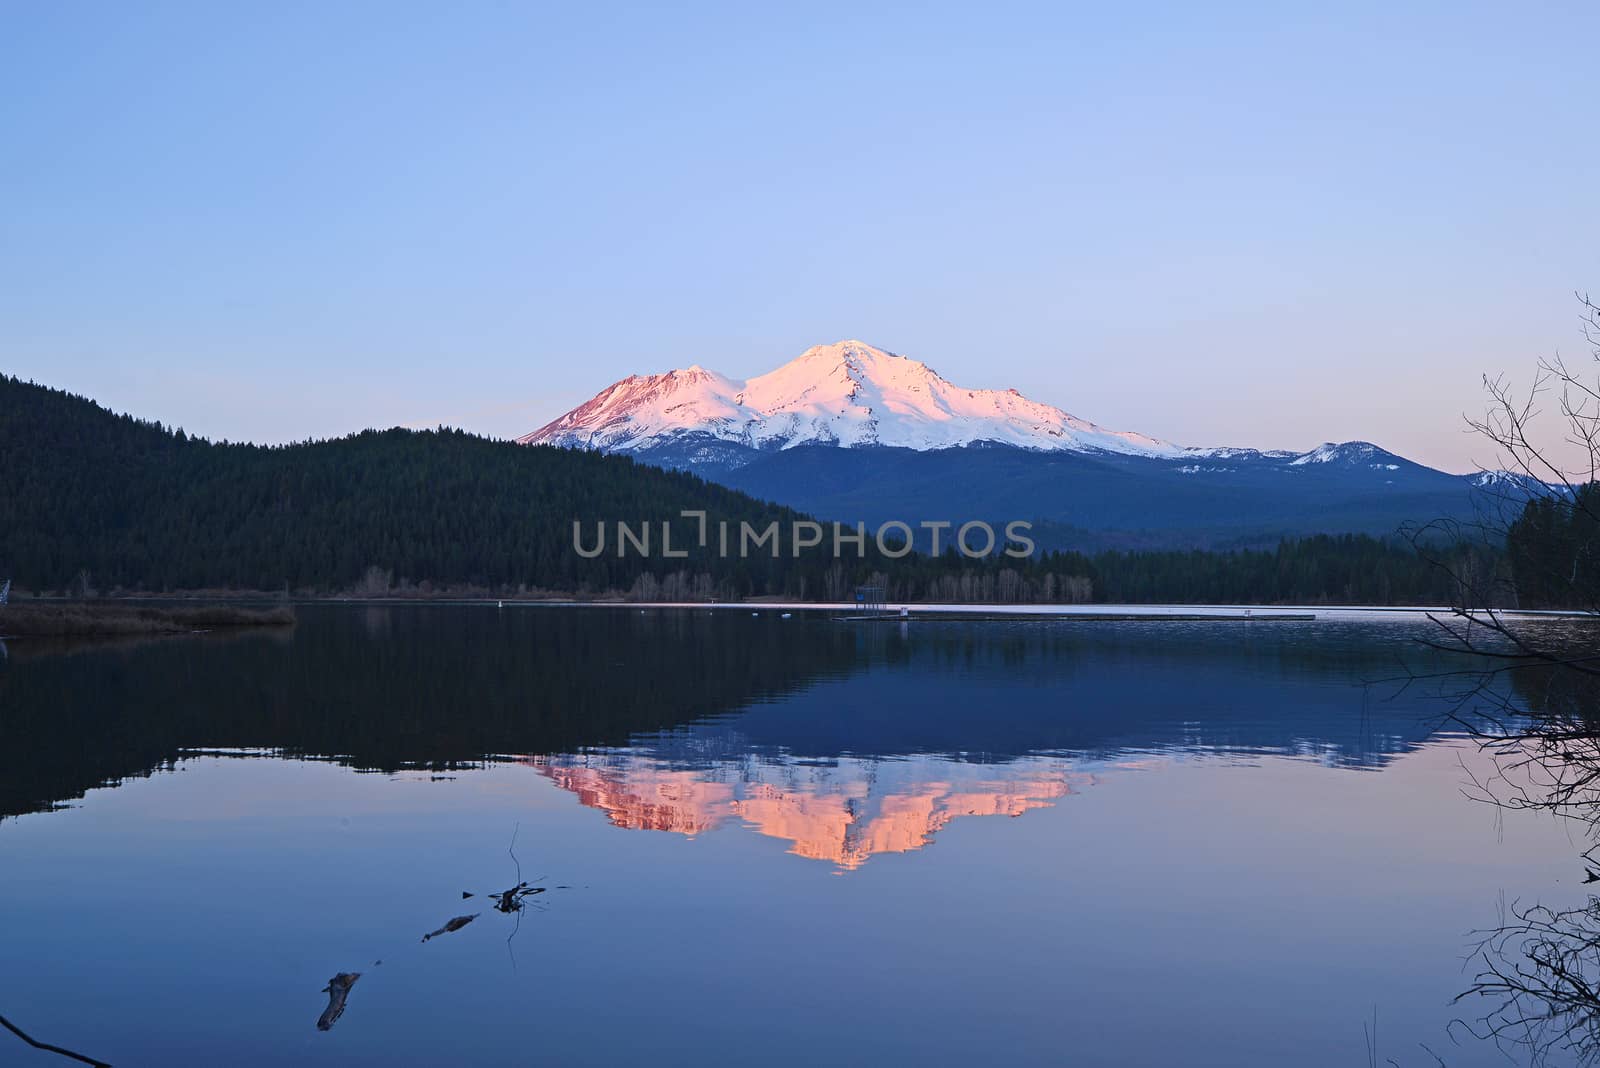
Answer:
(1530, 695)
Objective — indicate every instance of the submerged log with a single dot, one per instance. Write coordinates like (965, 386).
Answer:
(454, 925)
(338, 989)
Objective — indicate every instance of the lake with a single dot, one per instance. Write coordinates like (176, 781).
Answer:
(740, 837)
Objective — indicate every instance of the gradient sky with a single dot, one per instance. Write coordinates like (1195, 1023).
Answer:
(1214, 224)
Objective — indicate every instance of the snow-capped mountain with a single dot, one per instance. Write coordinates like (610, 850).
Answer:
(851, 394)
(847, 394)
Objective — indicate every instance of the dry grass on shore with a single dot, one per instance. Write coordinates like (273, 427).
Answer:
(100, 618)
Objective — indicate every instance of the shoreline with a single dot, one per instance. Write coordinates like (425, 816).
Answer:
(1084, 612)
(101, 619)
(929, 611)
(176, 614)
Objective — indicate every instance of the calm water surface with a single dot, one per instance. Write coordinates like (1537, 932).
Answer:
(758, 839)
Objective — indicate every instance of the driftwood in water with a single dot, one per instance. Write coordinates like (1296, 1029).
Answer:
(338, 989)
(511, 900)
(454, 925)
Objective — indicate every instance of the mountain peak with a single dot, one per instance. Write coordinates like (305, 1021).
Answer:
(1345, 452)
(848, 346)
(858, 357)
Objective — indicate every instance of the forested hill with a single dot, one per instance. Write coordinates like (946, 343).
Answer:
(139, 506)
(94, 502)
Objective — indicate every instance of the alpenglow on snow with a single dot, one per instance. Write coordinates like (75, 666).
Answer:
(847, 394)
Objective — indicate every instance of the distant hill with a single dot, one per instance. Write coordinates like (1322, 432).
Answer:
(1093, 501)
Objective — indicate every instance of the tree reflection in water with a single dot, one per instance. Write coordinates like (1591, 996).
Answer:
(1536, 974)
(1540, 973)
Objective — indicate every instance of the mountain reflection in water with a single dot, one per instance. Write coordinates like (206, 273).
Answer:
(844, 813)
(990, 720)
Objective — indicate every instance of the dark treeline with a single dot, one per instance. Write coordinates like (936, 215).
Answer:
(1554, 551)
(92, 502)
(1326, 569)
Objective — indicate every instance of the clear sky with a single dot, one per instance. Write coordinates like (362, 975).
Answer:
(1256, 224)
